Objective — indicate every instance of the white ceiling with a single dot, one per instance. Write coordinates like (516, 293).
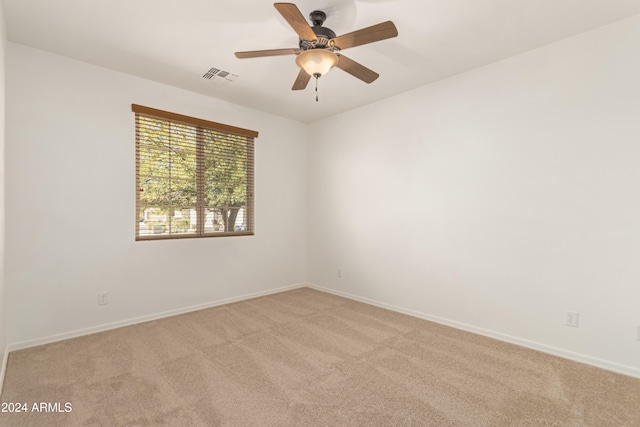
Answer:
(177, 41)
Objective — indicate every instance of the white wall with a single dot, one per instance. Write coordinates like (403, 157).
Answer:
(496, 199)
(3, 334)
(70, 204)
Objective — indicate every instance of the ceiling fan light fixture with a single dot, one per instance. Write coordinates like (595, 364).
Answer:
(316, 62)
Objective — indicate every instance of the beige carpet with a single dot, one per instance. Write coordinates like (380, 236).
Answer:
(304, 358)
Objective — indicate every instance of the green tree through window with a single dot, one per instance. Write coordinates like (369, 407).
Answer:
(194, 177)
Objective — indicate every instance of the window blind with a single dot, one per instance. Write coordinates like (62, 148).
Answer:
(194, 178)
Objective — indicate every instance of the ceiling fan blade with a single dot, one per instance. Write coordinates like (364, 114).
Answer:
(375, 33)
(301, 81)
(356, 69)
(293, 16)
(269, 52)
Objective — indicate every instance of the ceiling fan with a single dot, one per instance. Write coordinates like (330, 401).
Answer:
(319, 49)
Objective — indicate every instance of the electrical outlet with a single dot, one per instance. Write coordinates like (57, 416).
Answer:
(103, 298)
(571, 318)
(340, 273)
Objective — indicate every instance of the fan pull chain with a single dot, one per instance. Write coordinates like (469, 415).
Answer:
(316, 88)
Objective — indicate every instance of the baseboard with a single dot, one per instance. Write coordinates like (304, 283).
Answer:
(3, 368)
(566, 354)
(114, 325)
(599, 363)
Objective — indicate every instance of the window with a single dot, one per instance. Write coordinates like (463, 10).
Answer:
(194, 178)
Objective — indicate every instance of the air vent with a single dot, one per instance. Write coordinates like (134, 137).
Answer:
(212, 72)
(220, 76)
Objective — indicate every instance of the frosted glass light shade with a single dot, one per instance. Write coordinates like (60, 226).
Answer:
(316, 61)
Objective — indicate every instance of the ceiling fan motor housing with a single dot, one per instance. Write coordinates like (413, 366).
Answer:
(323, 34)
